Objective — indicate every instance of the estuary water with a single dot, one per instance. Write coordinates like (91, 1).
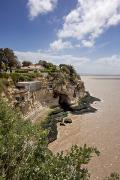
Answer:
(100, 129)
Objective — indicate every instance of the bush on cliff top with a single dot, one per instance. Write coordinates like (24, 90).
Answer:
(16, 77)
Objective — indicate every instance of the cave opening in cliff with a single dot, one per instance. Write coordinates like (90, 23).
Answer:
(63, 101)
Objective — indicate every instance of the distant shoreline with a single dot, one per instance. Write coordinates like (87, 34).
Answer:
(99, 74)
(103, 77)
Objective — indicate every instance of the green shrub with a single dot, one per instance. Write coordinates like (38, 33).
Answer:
(15, 77)
(16, 143)
(4, 75)
(21, 71)
(22, 77)
(113, 176)
(24, 153)
(3, 85)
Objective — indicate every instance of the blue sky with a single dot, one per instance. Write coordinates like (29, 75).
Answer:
(80, 32)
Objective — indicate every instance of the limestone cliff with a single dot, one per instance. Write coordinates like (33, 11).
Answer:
(63, 87)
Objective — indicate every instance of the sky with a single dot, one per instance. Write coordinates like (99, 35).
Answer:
(83, 33)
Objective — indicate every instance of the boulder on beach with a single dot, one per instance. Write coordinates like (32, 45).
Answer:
(67, 120)
(59, 119)
(62, 124)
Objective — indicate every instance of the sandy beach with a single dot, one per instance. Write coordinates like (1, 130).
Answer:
(100, 129)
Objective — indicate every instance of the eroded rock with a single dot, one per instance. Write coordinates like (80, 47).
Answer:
(62, 124)
(67, 120)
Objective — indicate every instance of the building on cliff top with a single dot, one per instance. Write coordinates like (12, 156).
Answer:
(33, 67)
(30, 86)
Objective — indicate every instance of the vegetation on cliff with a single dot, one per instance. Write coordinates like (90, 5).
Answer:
(8, 60)
(24, 153)
(11, 68)
(26, 63)
(60, 82)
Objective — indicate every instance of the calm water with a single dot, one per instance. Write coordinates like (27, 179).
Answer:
(101, 129)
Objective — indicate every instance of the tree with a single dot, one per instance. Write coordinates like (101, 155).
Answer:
(8, 58)
(42, 63)
(64, 68)
(3, 60)
(11, 59)
(26, 63)
(1, 65)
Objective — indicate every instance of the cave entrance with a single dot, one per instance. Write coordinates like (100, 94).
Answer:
(64, 102)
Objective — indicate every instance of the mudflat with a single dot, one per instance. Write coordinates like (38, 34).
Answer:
(100, 129)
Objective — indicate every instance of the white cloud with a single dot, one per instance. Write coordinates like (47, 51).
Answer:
(77, 45)
(54, 58)
(114, 20)
(37, 7)
(88, 44)
(90, 19)
(113, 61)
(59, 45)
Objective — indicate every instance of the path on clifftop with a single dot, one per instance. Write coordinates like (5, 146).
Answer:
(100, 129)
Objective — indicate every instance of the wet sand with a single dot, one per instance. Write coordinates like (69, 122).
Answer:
(100, 129)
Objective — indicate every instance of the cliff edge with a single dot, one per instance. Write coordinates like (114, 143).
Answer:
(52, 86)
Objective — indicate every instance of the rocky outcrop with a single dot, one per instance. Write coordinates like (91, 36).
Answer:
(70, 94)
(51, 97)
(63, 88)
(58, 88)
(67, 120)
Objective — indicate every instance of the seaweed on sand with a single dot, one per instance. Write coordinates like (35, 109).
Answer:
(84, 105)
(51, 121)
(57, 115)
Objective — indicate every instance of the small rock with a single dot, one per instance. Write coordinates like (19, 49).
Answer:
(59, 120)
(62, 124)
(67, 120)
